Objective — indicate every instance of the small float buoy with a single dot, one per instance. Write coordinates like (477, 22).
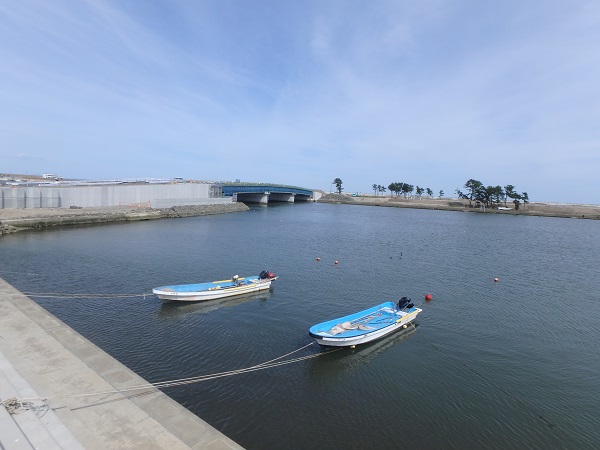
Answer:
(318, 259)
(353, 346)
(495, 280)
(428, 297)
(336, 261)
(404, 326)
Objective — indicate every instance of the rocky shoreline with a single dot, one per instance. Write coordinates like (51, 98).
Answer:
(14, 220)
(565, 210)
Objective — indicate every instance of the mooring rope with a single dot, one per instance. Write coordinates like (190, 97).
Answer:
(20, 273)
(66, 295)
(14, 406)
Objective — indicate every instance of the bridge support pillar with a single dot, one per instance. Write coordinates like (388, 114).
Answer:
(261, 198)
(281, 197)
(302, 198)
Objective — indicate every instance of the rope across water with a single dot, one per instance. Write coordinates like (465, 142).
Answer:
(66, 295)
(14, 406)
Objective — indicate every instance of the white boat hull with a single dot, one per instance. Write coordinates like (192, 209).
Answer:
(170, 295)
(399, 320)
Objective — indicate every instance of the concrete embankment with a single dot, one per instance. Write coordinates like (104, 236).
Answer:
(42, 358)
(12, 220)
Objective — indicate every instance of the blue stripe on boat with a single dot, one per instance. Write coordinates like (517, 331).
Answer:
(203, 286)
(377, 318)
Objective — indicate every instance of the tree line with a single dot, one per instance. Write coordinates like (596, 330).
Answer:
(492, 196)
(404, 189)
(476, 192)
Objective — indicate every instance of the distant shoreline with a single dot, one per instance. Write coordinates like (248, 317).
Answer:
(14, 220)
(564, 210)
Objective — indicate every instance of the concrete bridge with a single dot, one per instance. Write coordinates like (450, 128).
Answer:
(265, 193)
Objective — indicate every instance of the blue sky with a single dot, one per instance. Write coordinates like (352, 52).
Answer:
(431, 93)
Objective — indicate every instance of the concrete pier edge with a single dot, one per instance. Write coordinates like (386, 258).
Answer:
(40, 356)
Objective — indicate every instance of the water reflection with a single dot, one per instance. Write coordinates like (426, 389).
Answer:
(350, 358)
(544, 262)
(174, 310)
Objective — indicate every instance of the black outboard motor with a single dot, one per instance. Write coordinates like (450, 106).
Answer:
(264, 275)
(404, 302)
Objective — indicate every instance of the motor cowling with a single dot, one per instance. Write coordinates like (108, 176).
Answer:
(404, 302)
(265, 275)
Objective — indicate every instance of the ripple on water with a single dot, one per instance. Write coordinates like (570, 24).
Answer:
(491, 365)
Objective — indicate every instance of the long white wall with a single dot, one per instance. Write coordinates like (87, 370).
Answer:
(149, 195)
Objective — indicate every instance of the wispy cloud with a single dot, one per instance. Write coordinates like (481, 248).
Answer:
(432, 93)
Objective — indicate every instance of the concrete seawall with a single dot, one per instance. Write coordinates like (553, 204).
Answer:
(110, 194)
(12, 220)
(41, 357)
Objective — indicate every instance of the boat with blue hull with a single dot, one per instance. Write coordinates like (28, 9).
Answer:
(365, 326)
(215, 289)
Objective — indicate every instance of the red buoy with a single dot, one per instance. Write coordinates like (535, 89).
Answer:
(428, 297)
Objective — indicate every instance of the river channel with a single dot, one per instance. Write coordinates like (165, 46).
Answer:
(506, 364)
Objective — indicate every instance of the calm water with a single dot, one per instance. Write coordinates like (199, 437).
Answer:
(513, 364)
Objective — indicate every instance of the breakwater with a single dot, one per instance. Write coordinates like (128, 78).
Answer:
(26, 219)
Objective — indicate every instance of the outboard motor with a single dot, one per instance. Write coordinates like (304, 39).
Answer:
(264, 275)
(403, 303)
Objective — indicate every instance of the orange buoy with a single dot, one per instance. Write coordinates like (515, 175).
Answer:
(428, 297)
(336, 261)
(495, 280)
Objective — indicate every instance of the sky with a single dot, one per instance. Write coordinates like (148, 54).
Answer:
(431, 93)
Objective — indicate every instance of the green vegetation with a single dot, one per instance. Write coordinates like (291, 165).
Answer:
(401, 188)
(491, 196)
(475, 192)
(406, 190)
(377, 188)
(338, 185)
